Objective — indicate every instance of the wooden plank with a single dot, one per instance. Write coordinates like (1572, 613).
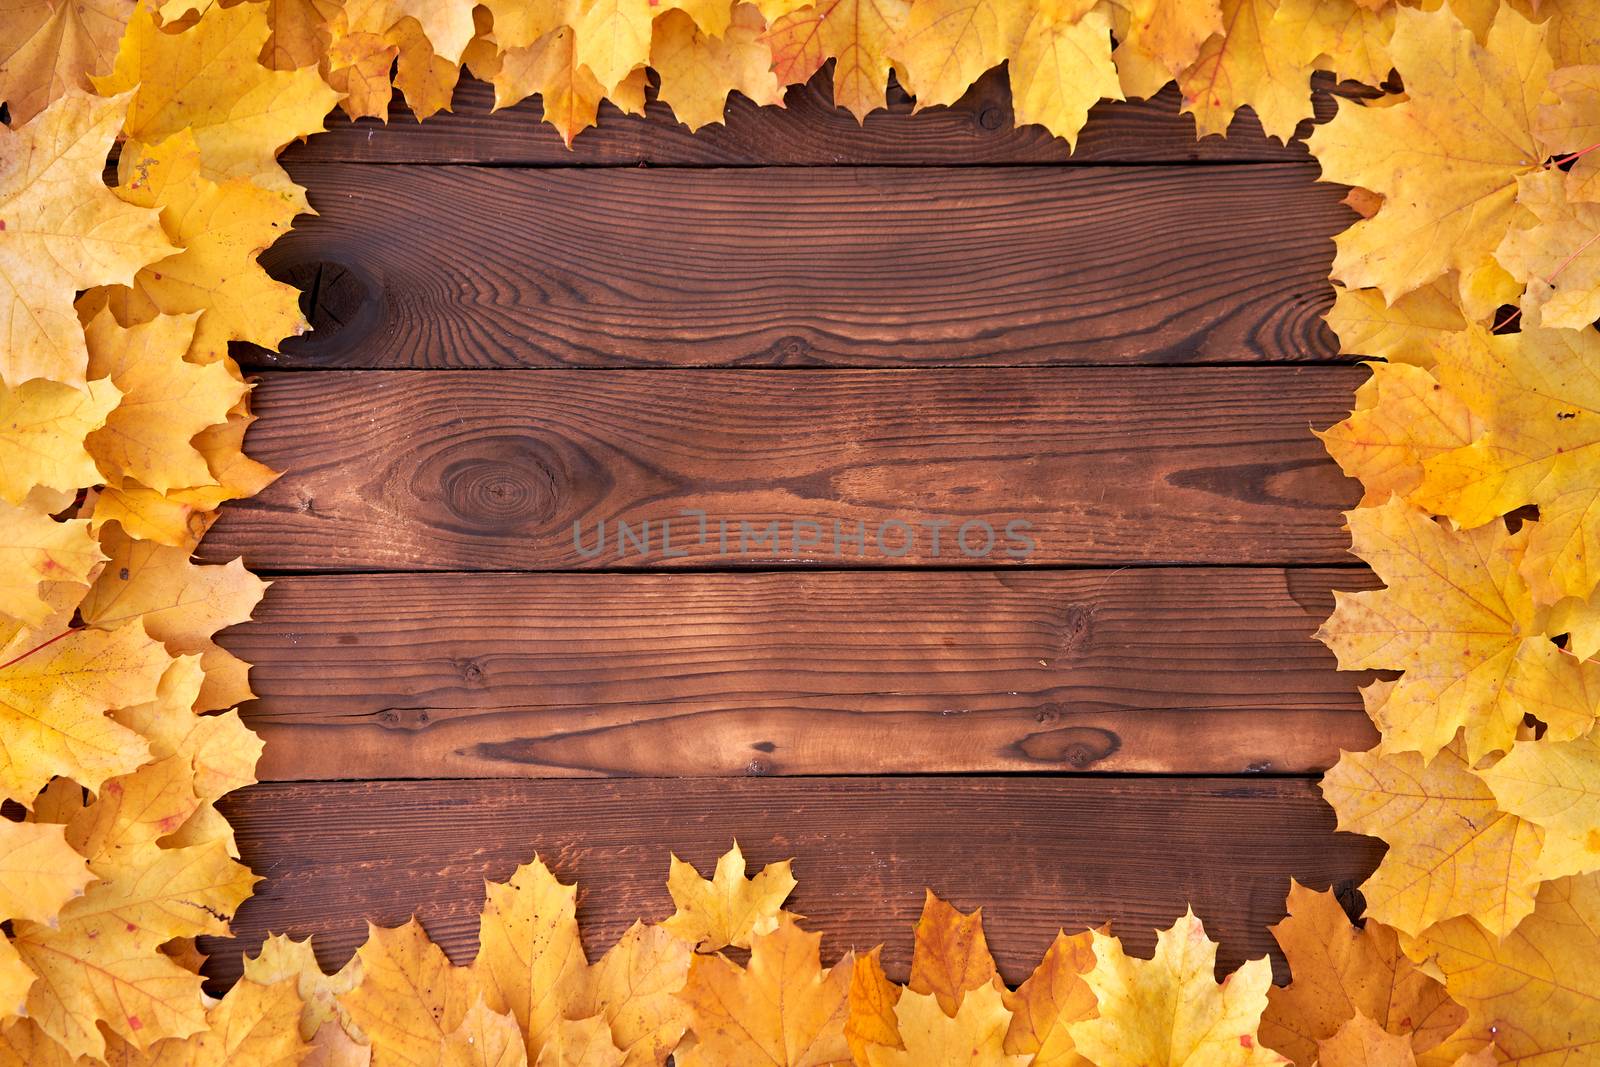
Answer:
(810, 131)
(470, 267)
(1038, 853)
(451, 675)
(516, 470)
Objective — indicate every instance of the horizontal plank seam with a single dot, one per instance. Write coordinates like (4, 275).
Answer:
(265, 363)
(865, 776)
(1351, 566)
(1064, 164)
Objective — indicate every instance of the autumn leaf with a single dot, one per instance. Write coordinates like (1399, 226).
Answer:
(209, 81)
(1538, 393)
(1161, 38)
(1554, 785)
(530, 962)
(1452, 851)
(324, 1021)
(53, 704)
(947, 45)
(1061, 67)
(727, 909)
(698, 71)
(410, 998)
(1531, 993)
(1170, 1011)
(974, 1036)
(857, 34)
(1052, 998)
(62, 230)
(1403, 417)
(582, 1043)
(612, 38)
(1458, 619)
(484, 1039)
(35, 550)
(1446, 158)
(950, 956)
(1569, 127)
(166, 401)
(50, 46)
(252, 1024)
(42, 427)
(570, 94)
(182, 604)
(39, 872)
(221, 229)
(1556, 258)
(872, 998)
(783, 1009)
(1406, 331)
(634, 990)
(1253, 62)
(1342, 973)
(1348, 37)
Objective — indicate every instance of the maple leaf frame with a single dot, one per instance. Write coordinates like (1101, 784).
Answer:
(123, 420)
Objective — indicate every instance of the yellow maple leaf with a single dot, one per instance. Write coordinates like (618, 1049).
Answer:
(428, 37)
(1348, 37)
(583, 1043)
(410, 997)
(1342, 972)
(251, 1025)
(484, 1039)
(1456, 616)
(1053, 998)
(150, 516)
(1406, 331)
(1557, 257)
(36, 552)
(1446, 158)
(1531, 993)
(570, 94)
(530, 961)
(613, 38)
(209, 80)
(53, 705)
(1402, 418)
(182, 605)
(727, 909)
(974, 1036)
(62, 230)
(1251, 62)
(871, 1001)
(221, 229)
(950, 954)
(50, 46)
(23, 1044)
(1554, 785)
(698, 71)
(783, 1009)
(1569, 127)
(299, 35)
(634, 989)
(166, 401)
(947, 45)
(1538, 392)
(1360, 1042)
(1062, 67)
(1170, 1011)
(284, 959)
(42, 427)
(1159, 38)
(39, 871)
(856, 34)
(1452, 851)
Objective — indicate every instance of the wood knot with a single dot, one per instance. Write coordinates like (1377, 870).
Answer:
(1073, 746)
(993, 118)
(340, 303)
(493, 484)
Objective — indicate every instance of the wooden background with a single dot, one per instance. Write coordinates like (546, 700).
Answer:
(935, 316)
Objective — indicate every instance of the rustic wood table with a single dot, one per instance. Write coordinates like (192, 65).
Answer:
(794, 318)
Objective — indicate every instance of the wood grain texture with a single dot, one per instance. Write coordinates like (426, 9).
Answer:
(493, 470)
(1037, 853)
(448, 267)
(452, 675)
(809, 131)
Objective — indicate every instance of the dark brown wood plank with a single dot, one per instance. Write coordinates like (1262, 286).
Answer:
(452, 675)
(1037, 853)
(467, 267)
(492, 470)
(809, 131)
